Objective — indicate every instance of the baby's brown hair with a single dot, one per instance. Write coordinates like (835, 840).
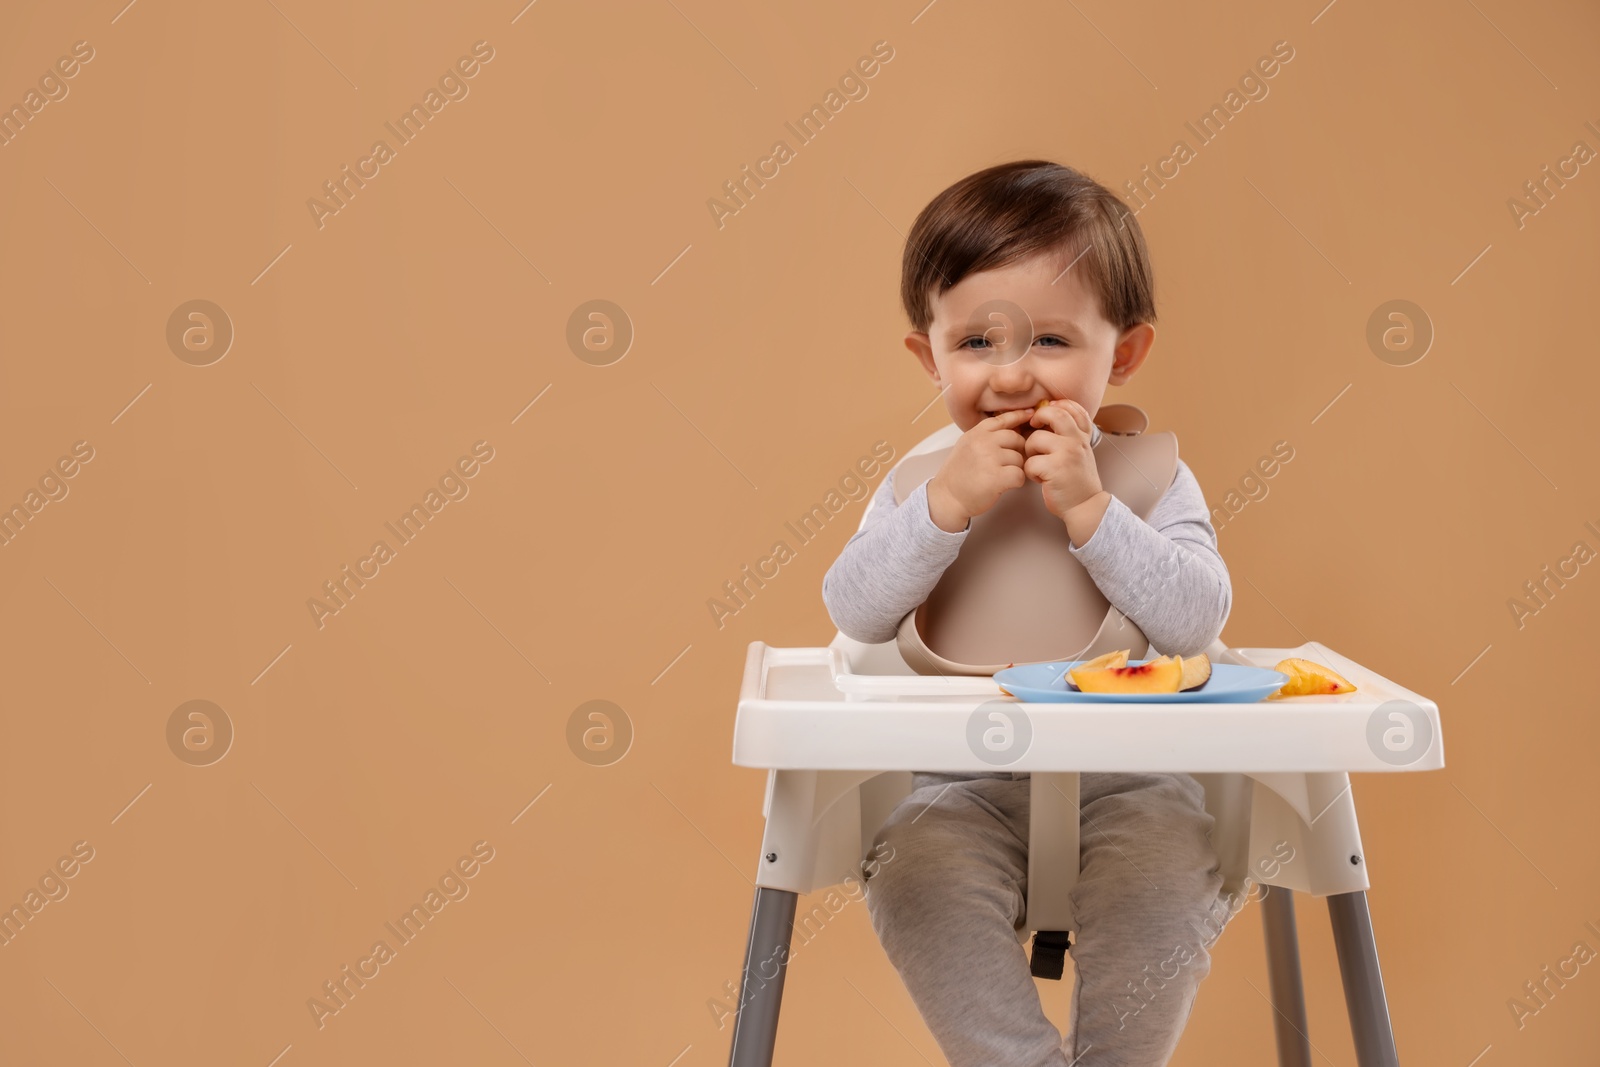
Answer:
(1015, 210)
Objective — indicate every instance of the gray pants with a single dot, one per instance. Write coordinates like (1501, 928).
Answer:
(948, 905)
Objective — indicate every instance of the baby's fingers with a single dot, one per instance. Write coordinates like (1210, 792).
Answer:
(1007, 420)
(1062, 416)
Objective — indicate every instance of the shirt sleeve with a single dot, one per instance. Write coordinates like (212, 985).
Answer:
(1165, 574)
(889, 566)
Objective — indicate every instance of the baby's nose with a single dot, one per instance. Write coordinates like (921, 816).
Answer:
(1011, 376)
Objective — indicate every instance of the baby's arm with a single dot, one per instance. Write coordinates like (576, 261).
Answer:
(1165, 574)
(889, 566)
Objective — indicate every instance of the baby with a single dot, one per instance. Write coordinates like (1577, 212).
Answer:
(1025, 283)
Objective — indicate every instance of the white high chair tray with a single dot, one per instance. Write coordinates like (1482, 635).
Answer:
(802, 709)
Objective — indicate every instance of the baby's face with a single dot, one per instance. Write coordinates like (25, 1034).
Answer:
(1031, 331)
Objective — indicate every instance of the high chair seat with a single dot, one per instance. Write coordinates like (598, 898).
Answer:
(840, 753)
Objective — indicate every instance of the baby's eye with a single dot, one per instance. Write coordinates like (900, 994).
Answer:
(1059, 343)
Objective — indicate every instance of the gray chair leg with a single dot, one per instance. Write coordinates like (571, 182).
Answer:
(1283, 974)
(766, 963)
(1363, 982)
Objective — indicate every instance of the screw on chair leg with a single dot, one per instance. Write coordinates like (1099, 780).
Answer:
(1049, 953)
(1283, 973)
(1363, 982)
(766, 962)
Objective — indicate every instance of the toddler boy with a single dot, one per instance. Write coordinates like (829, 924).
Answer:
(1030, 282)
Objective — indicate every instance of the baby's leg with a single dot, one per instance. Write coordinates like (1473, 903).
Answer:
(947, 905)
(1147, 905)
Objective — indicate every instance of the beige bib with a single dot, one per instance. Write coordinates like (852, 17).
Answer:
(1015, 594)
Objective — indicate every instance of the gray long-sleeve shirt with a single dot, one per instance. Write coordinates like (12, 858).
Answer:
(1165, 574)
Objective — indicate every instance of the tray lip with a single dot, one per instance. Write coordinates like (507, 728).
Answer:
(759, 743)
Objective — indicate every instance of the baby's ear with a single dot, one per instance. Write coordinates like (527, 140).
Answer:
(922, 348)
(1130, 352)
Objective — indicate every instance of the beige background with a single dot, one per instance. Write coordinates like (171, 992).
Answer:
(370, 354)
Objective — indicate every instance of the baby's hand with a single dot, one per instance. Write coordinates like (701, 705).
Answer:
(1059, 457)
(985, 462)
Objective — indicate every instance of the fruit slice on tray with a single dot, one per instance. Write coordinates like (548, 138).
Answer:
(1196, 672)
(1309, 679)
(1166, 674)
(1110, 659)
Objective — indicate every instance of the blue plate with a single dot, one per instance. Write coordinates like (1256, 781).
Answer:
(1046, 683)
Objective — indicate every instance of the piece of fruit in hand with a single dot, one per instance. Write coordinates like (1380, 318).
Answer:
(1309, 679)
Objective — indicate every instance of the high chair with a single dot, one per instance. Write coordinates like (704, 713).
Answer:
(841, 728)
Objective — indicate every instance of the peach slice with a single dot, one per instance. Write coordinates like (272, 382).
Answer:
(1309, 679)
(1158, 676)
(1118, 658)
(1196, 672)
